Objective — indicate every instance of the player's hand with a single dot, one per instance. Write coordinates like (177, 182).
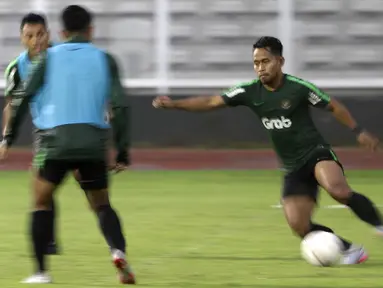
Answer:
(368, 140)
(118, 167)
(3, 151)
(162, 102)
(121, 162)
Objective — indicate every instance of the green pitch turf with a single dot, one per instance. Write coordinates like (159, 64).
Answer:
(188, 229)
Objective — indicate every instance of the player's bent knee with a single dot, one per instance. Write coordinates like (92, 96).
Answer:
(92, 206)
(98, 198)
(96, 184)
(43, 193)
(102, 208)
(340, 192)
(298, 211)
(299, 227)
(90, 202)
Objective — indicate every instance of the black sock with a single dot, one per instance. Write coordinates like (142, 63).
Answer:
(40, 230)
(111, 227)
(318, 227)
(52, 235)
(365, 209)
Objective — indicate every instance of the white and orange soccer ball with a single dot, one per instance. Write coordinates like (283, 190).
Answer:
(321, 248)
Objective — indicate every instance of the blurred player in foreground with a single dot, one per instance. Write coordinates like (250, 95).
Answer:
(282, 103)
(35, 38)
(79, 81)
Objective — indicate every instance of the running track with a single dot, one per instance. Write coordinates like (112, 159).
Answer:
(183, 159)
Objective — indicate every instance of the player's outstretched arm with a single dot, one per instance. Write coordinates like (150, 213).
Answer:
(343, 115)
(195, 104)
(318, 98)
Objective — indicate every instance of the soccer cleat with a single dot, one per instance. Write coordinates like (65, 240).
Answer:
(355, 255)
(38, 278)
(125, 272)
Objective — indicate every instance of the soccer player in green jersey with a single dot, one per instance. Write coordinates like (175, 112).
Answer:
(34, 36)
(282, 102)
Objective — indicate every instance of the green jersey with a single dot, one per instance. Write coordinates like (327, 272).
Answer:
(285, 114)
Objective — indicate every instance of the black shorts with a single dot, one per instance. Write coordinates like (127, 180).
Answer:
(303, 181)
(94, 173)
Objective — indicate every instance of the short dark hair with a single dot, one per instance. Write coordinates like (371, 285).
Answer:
(76, 18)
(272, 44)
(33, 18)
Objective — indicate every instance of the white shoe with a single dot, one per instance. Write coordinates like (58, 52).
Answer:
(125, 272)
(356, 254)
(38, 278)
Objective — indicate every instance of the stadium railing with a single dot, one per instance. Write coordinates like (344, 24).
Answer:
(373, 83)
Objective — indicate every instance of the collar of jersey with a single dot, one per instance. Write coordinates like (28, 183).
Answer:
(280, 86)
(77, 39)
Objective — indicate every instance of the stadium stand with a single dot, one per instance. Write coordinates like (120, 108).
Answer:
(212, 39)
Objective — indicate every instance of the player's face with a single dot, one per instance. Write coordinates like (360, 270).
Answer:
(35, 38)
(266, 65)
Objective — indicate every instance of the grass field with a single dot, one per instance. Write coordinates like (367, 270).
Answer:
(188, 229)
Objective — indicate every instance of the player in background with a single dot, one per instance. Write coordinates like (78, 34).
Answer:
(79, 82)
(282, 102)
(34, 37)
